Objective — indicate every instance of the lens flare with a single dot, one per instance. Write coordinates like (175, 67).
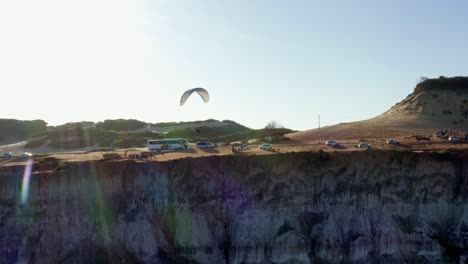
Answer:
(25, 183)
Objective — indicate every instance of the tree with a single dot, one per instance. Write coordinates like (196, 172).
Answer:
(270, 130)
(273, 124)
(422, 79)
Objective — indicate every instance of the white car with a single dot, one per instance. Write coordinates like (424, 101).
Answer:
(266, 146)
(26, 154)
(205, 145)
(243, 147)
(454, 139)
(393, 142)
(331, 143)
(364, 145)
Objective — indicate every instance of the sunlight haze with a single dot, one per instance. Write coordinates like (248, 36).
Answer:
(289, 61)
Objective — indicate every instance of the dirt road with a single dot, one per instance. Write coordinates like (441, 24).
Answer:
(345, 145)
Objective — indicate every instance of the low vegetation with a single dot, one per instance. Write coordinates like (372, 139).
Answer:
(458, 82)
(168, 124)
(20, 130)
(79, 137)
(36, 143)
(276, 136)
(207, 132)
(121, 124)
(123, 133)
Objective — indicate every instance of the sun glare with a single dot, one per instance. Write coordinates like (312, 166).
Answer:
(74, 48)
(25, 182)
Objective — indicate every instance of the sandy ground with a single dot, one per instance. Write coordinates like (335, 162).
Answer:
(377, 128)
(407, 144)
(423, 112)
(346, 145)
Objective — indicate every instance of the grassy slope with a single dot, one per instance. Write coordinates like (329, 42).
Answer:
(86, 134)
(20, 130)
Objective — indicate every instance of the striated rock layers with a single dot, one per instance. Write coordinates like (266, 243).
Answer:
(364, 207)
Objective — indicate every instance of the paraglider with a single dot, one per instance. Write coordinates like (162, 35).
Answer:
(200, 91)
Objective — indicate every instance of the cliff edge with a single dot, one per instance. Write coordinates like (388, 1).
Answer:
(364, 207)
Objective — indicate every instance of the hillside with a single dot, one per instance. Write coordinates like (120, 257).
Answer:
(12, 130)
(122, 133)
(229, 126)
(434, 104)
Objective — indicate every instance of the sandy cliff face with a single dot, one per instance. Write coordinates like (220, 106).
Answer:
(432, 107)
(360, 207)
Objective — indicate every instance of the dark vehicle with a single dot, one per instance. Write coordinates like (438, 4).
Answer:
(243, 147)
(453, 139)
(393, 142)
(419, 138)
(442, 135)
(205, 145)
(331, 143)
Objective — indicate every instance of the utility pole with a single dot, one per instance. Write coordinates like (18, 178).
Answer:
(94, 136)
(319, 122)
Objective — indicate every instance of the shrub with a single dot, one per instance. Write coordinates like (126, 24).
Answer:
(11, 128)
(35, 143)
(121, 124)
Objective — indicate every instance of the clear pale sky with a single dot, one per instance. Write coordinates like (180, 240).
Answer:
(92, 60)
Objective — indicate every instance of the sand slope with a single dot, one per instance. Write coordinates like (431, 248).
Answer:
(434, 105)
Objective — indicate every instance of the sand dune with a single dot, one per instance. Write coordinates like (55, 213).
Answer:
(435, 104)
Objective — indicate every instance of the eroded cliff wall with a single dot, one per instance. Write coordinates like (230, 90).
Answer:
(372, 206)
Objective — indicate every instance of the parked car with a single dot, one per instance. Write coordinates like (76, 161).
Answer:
(7, 155)
(26, 154)
(393, 142)
(364, 145)
(331, 143)
(205, 145)
(442, 135)
(453, 139)
(242, 147)
(266, 146)
(418, 138)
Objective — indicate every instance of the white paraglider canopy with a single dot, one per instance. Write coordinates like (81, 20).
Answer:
(200, 91)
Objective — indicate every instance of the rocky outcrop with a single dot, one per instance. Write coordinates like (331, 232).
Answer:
(363, 207)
